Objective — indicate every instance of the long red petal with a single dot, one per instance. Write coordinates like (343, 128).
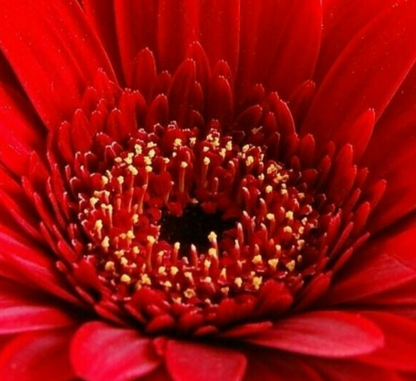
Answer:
(55, 54)
(382, 53)
(325, 334)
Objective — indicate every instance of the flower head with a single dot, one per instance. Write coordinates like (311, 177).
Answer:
(198, 190)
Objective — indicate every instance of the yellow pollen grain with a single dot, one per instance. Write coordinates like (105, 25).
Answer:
(273, 262)
(229, 146)
(257, 259)
(147, 160)
(212, 236)
(151, 153)
(93, 201)
(288, 229)
(118, 160)
(192, 141)
(119, 253)
(177, 142)
(162, 270)
(289, 215)
(105, 242)
(301, 195)
(151, 239)
(104, 180)
(135, 218)
(245, 148)
(261, 177)
(125, 279)
(205, 149)
(238, 281)
(138, 149)
(130, 234)
(269, 189)
(188, 275)
(123, 261)
(149, 168)
(144, 279)
(177, 246)
(291, 265)
(133, 170)
(278, 247)
(184, 164)
(109, 266)
(167, 284)
(207, 160)
(270, 216)
(120, 180)
(136, 250)
(177, 300)
(257, 281)
(207, 263)
(301, 244)
(174, 270)
(207, 279)
(98, 225)
(122, 235)
(301, 230)
(189, 293)
(212, 252)
(128, 160)
(250, 160)
(283, 191)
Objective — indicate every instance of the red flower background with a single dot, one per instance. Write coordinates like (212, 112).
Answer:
(110, 106)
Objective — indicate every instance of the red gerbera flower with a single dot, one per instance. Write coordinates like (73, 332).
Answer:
(216, 190)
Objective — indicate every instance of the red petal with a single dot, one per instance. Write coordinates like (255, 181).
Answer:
(37, 357)
(136, 28)
(399, 351)
(348, 370)
(269, 365)
(54, 54)
(100, 14)
(100, 352)
(34, 267)
(382, 264)
(324, 333)
(381, 53)
(192, 361)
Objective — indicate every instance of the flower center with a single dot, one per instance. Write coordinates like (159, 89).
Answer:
(199, 218)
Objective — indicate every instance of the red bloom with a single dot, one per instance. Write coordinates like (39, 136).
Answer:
(198, 190)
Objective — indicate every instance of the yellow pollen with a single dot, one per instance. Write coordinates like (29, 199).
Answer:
(207, 264)
(257, 281)
(188, 275)
(212, 252)
(120, 180)
(162, 270)
(130, 234)
(184, 164)
(250, 160)
(167, 284)
(212, 236)
(238, 281)
(177, 142)
(136, 250)
(119, 253)
(289, 215)
(138, 149)
(287, 229)
(223, 273)
(135, 218)
(189, 293)
(257, 259)
(104, 180)
(177, 300)
(151, 239)
(174, 270)
(133, 170)
(98, 225)
(118, 160)
(149, 168)
(206, 160)
(278, 248)
(147, 160)
(269, 189)
(124, 261)
(177, 246)
(225, 290)
(270, 216)
(125, 279)
(144, 279)
(192, 141)
(273, 262)
(245, 148)
(229, 146)
(105, 242)
(291, 265)
(151, 153)
(109, 266)
(207, 279)
(93, 201)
